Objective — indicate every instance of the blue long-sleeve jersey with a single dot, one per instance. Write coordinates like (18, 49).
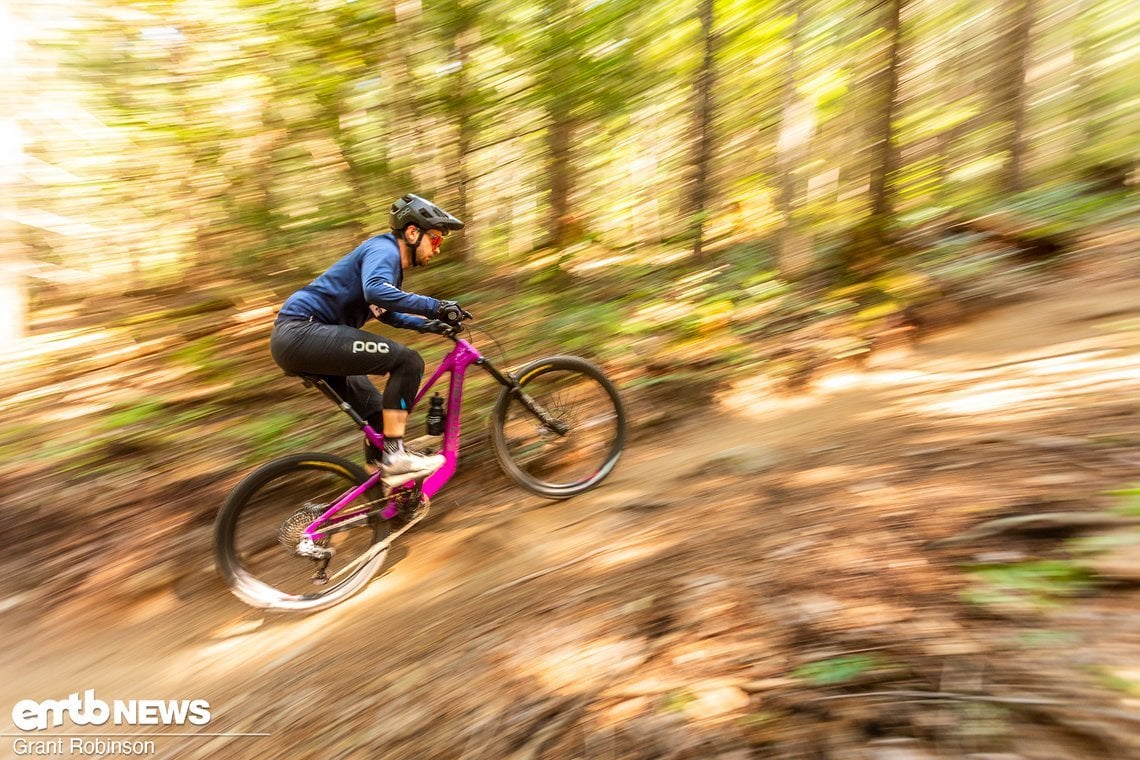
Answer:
(370, 275)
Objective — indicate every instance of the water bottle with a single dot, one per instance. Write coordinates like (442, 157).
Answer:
(435, 416)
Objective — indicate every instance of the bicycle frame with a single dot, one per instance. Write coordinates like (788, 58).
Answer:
(455, 363)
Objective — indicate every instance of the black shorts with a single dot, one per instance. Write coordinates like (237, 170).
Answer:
(343, 355)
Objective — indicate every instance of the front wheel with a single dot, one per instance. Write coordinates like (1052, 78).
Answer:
(562, 430)
(258, 530)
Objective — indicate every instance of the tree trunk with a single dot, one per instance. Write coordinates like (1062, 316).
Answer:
(1090, 106)
(703, 148)
(870, 243)
(465, 127)
(884, 155)
(797, 122)
(559, 137)
(1012, 96)
(406, 134)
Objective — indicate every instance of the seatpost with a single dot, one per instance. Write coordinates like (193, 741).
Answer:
(332, 396)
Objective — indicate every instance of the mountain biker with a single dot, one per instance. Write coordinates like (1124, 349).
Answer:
(317, 331)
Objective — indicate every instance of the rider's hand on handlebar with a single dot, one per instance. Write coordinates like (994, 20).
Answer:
(437, 327)
(450, 311)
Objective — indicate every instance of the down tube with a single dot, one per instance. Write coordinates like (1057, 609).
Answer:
(456, 363)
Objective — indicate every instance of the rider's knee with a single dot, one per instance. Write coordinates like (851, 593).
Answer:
(411, 361)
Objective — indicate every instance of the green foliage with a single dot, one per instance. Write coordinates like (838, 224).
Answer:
(836, 670)
(204, 357)
(1085, 546)
(270, 436)
(1127, 499)
(1058, 209)
(1117, 679)
(1047, 638)
(676, 701)
(132, 415)
(283, 132)
(1035, 585)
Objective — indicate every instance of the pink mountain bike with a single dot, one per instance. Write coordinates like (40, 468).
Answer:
(306, 531)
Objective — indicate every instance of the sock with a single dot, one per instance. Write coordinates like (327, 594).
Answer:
(392, 446)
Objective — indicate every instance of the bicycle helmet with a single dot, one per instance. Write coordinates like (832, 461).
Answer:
(412, 209)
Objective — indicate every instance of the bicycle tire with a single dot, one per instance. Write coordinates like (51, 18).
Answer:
(575, 379)
(236, 563)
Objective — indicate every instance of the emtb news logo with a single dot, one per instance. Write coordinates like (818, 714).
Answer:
(30, 715)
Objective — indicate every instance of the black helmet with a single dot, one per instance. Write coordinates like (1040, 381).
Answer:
(412, 209)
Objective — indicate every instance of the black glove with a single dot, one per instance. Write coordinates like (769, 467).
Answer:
(436, 327)
(450, 311)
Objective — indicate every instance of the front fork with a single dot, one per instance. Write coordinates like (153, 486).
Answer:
(508, 381)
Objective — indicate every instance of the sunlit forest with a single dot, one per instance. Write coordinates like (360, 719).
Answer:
(155, 144)
(725, 203)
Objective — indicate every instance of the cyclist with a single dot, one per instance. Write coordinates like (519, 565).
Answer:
(317, 331)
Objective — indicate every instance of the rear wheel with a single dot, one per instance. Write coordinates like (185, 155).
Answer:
(259, 529)
(562, 432)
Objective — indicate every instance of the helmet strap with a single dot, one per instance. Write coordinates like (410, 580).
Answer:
(412, 248)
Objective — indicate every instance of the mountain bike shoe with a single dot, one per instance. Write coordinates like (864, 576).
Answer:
(405, 465)
(372, 454)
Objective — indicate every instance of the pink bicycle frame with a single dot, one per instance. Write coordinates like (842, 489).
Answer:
(456, 363)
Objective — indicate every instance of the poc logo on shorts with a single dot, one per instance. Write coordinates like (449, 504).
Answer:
(369, 346)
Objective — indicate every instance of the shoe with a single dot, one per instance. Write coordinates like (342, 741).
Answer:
(407, 465)
(372, 455)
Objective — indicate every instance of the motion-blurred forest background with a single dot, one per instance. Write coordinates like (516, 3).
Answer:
(691, 194)
(767, 185)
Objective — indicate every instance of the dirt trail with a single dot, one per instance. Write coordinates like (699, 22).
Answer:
(655, 615)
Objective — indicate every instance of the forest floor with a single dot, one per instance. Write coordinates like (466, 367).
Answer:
(920, 558)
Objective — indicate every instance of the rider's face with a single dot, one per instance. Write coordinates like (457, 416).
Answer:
(428, 245)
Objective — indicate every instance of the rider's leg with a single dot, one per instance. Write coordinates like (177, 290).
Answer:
(363, 397)
(399, 395)
(337, 351)
(395, 422)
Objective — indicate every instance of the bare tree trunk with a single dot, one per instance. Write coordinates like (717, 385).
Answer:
(405, 131)
(884, 155)
(869, 244)
(560, 170)
(706, 80)
(1090, 106)
(1012, 96)
(797, 122)
(458, 174)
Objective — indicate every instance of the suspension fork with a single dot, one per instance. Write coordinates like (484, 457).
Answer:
(511, 383)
